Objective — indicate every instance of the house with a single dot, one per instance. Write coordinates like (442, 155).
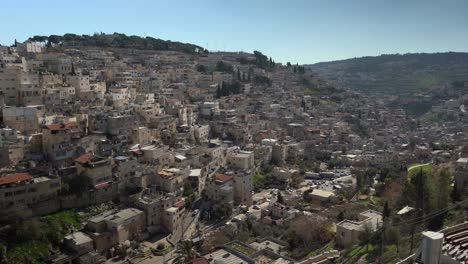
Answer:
(22, 190)
(127, 172)
(115, 227)
(348, 231)
(220, 189)
(11, 147)
(23, 118)
(170, 180)
(154, 204)
(120, 127)
(320, 196)
(209, 109)
(57, 141)
(197, 180)
(9, 82)
(79, 243)
(97, 169)
(243, 187)
(29, 90)
(80, 82)
(275, 245)
(173, 217)
(201, 132)
(242, 160)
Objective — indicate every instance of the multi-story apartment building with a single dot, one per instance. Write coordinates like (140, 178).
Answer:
(97, 169)
(9, 82)
(57, 141)
(242, 160)
(25, 119)
(19, 190)
(113, 228)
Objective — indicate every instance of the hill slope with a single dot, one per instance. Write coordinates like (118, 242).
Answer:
(396, 74)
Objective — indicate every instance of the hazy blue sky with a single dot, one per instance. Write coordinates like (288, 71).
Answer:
(304, 31)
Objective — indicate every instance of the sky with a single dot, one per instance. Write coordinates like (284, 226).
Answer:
(296, 31)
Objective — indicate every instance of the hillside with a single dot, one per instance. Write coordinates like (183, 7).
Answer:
(116, 40)
(396, 74)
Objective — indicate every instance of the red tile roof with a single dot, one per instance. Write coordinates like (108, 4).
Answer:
(180, 204)
(58, 126)
(102, 185)
(223, 177)
(16, 177)
(85, 158)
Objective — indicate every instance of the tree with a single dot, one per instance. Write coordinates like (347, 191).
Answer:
(443, 188)
(393, 237)
(185, 252)
(424, 191)
(258, 180)
(301, 69)
(340, 217)
(455, 195)
(307, 234)
(442, 198)
(201, 68)
(386, 211)
(386, 214)
(280, 198)
(224, 67)
(296, 180)
(261, 60)
(262, 80)
(188, 189)
(366, 235)
(218, 91)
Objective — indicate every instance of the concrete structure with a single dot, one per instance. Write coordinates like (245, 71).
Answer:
(431, 247)
(112, 228)
(461, 174)
(220, 189)
(348, 232)
(57, 141)
(97, 169)
(243, 160)
(201, 132)
(243, 187)
(79, 242)
(20, 190)
(25, 119)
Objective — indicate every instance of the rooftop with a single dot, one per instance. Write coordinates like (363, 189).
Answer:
(15, 178)
(79, 238)
(195, 173)
(226, 257)
(116, 217)
(223, 178)
(322, 193)
(59, 126)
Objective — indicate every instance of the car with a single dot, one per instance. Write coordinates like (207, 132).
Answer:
(256, 207)
(195, 212)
